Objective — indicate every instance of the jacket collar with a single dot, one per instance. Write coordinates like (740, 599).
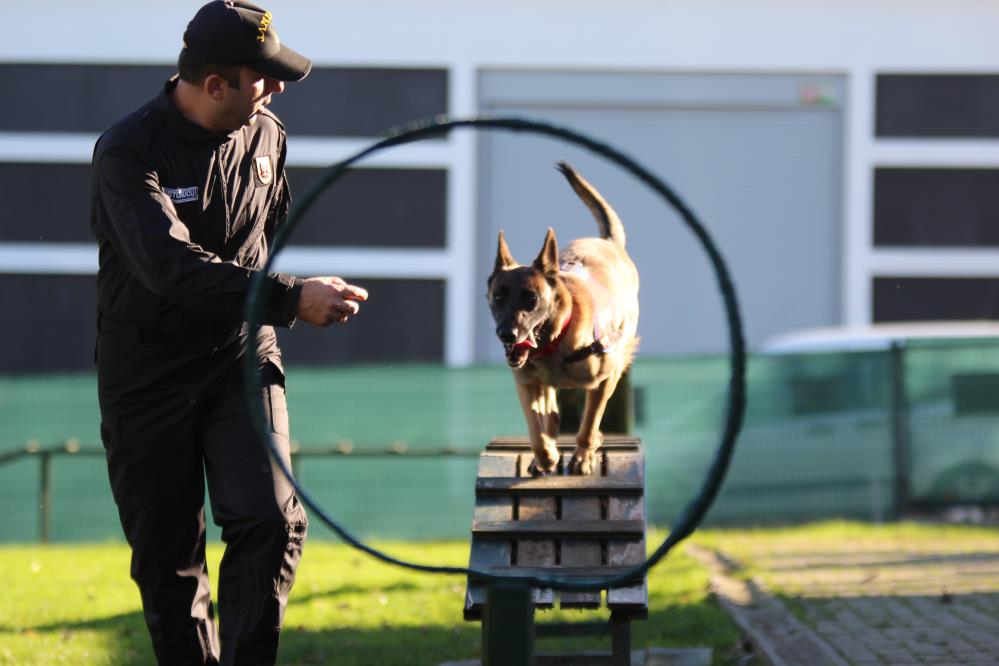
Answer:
(179, 123)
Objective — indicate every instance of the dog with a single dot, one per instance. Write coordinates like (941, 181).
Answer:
(568, 320)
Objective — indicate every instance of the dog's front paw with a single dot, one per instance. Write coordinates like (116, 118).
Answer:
(583, 461)
(546, 463)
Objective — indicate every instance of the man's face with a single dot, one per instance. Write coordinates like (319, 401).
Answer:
(239, 106)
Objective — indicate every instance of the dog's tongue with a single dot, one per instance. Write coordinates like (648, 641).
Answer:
(528, 343)
(517, 356)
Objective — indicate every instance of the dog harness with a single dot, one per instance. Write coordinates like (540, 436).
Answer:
(603, 318)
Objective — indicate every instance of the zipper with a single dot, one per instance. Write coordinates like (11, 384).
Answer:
(225, 192)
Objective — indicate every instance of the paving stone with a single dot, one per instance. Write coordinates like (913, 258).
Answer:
(873, 604)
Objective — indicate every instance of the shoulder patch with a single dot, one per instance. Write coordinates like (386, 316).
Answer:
(263, 169)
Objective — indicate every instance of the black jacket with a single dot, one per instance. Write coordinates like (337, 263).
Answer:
(183, 218)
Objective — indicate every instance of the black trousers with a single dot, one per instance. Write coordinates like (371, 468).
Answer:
(169, 428)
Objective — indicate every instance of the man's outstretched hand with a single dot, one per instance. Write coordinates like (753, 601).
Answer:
(329, 300)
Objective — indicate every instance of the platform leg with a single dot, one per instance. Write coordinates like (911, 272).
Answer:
(508, 626)
(620, 641)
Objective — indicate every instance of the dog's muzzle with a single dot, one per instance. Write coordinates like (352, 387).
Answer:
(516, 354)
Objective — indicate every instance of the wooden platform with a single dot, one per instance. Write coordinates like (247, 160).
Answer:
(589, 526)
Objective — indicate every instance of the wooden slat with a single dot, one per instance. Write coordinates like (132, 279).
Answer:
(489, 553)
(510, 504)
(583, 553)
(624, 553)
(558, 529)
(599, 571)
(624, 442)
(558, 485)
(532, 513)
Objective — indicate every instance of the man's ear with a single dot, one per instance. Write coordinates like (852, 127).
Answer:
(547, 261)
(214, 86)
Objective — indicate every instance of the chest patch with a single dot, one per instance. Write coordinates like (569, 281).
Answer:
(262, 167)
(181, 194)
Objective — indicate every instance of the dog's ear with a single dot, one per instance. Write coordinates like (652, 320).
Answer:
(547, 261)
(503, 257)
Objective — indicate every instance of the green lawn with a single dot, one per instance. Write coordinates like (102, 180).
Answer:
(76, 605)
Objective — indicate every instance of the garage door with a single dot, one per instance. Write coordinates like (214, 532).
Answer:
(758, 158)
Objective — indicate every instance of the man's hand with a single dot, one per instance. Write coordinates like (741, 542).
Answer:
(328, 300)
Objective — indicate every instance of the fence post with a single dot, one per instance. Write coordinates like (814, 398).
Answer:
(45, 495)
(901, 441)
(296, 461)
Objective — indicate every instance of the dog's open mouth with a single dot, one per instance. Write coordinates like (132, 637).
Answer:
(517, 353)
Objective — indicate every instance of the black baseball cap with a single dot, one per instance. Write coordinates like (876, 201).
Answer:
(233, 32)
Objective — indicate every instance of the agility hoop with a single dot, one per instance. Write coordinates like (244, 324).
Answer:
(695, 510)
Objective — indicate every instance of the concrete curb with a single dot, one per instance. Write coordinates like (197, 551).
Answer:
(777, 636)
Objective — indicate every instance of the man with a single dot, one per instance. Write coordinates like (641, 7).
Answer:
(187, 194)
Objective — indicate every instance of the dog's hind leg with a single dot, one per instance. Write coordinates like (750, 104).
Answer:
(589, 438)
(540, 412)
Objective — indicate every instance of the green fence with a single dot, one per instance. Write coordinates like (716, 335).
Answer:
(856, 435)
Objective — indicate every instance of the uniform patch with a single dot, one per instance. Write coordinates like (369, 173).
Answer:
(181, 194)
(265, 174)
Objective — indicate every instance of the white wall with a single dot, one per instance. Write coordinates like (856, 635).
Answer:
(853, 38)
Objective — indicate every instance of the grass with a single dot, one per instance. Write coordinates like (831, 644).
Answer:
(76, 605)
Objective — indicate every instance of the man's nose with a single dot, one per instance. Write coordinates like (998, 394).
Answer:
(274, 86)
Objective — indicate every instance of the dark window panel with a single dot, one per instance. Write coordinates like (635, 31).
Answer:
(361, 102)
(899, 299)
(367, 207)
(402, 322)
(353, 101)
(45, 202)
(51, 322)
(936, 207)
(75, 98)
(937, 105)
(60, 336)
(373, 208)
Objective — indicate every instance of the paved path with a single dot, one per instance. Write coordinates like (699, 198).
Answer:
(869, 602)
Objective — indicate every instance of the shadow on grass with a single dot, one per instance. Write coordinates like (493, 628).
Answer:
(701, 624)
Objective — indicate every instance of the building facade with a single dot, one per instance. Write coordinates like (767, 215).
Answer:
(844, 156)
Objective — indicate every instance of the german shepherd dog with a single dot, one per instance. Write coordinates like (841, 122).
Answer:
(568, 320)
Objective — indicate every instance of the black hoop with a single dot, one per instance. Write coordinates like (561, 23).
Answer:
(694, 511)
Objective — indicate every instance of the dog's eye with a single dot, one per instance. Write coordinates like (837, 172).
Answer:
(499, 297)
(530, 299)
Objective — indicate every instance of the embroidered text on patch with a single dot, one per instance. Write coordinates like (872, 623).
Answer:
(181, 194)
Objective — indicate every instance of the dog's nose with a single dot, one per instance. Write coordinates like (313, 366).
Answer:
(506, 336)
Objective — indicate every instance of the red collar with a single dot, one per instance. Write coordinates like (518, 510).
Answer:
(551, 347)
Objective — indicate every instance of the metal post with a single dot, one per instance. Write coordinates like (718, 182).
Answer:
(620, 641)
(901, 442)
(508, 626)
(45, 495)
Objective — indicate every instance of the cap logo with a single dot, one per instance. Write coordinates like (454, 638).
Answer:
(265, 22)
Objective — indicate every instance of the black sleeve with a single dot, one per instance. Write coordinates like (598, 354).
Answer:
(154, 244)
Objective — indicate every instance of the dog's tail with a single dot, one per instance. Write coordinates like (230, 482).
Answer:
(610, 224)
